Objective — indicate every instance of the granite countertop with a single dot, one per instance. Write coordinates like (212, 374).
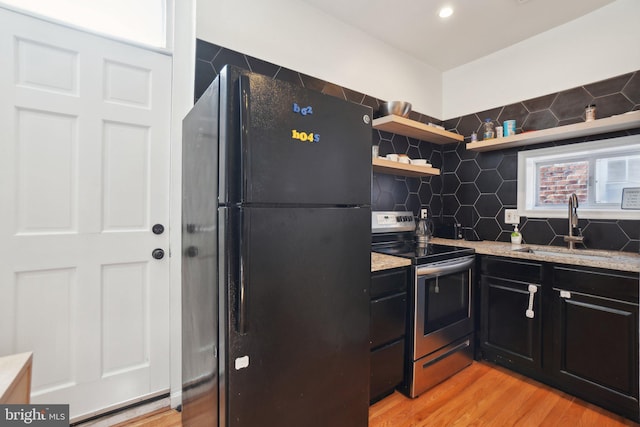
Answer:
(386, 262)
(613, 260)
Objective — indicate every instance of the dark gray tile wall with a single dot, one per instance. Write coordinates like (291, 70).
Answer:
(478, 187)
(473, 188)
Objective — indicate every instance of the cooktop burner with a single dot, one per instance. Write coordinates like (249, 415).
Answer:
(419, 254)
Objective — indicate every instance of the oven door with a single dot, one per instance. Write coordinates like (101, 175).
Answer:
(443, 304)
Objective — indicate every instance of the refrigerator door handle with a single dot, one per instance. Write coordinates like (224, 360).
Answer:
(244, 96)
(244, 88)
(242, 325)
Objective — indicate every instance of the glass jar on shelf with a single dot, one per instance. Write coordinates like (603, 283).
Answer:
(488, 131)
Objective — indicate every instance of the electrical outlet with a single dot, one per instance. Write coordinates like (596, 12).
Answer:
(423, 213)
(511, 216)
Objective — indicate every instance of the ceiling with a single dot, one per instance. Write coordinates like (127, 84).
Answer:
(476, 29)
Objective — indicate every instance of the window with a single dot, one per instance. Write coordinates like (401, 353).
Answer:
(595, 171)
(140, 21)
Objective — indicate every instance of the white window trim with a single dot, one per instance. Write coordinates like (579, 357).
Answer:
(527, 174)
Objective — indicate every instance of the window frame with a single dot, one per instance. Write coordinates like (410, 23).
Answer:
(588, 151)
(165, 37)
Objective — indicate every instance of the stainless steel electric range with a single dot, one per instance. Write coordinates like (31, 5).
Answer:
(441, 301)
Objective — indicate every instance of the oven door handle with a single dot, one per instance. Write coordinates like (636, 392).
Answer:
(445, 267)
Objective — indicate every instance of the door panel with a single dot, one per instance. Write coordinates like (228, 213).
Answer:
(85, 167)
(280, 166)
(125, 177)
(307, 274)
(46, 144)
(48, 293)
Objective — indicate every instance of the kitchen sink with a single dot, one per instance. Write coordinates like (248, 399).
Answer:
(576, 254)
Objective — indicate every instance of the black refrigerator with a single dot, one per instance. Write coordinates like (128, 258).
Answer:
(276, 245)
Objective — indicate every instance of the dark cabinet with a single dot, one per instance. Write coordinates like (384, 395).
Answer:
(507, 335)
(581, 334)
(387, 330)
(388, 315)
(511, 313)
(595, 336)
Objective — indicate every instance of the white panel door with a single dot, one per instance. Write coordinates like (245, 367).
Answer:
(84, 176)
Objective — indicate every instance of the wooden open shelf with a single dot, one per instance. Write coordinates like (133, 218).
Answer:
(610, 124)
(411, 128)
(396, 168)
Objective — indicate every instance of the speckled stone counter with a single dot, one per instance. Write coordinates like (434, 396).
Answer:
(386, 262)
(613, 260)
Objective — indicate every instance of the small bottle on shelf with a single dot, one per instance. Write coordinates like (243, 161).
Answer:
(488, 130)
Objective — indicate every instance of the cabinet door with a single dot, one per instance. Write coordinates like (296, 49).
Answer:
(387, 329)
(507, 335)
(388, 308)
(596, 349)
(388, 319)
(387, 370)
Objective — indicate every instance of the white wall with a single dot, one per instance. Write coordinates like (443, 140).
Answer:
(597, 46)
(297, 36)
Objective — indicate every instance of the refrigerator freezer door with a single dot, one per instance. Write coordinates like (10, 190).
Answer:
(199, 265)
(290, 145)
(303, 356)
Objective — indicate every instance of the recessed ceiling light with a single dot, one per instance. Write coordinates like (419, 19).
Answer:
(445, 12)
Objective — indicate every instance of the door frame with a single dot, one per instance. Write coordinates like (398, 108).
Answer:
(182, 30)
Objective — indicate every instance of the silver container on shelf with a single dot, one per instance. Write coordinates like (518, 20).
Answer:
(398, 108)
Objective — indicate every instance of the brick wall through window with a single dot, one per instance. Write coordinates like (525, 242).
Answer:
(558, 181)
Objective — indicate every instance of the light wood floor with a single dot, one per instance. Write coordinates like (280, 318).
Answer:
(486, 395)
(480, 395)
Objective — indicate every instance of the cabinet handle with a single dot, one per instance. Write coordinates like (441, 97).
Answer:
(532, 291)
(565, 294)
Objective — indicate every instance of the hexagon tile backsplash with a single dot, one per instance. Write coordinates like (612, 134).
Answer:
(479, 186)
(474, 188)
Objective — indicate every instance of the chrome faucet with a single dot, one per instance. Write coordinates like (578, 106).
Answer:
(573, 222)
